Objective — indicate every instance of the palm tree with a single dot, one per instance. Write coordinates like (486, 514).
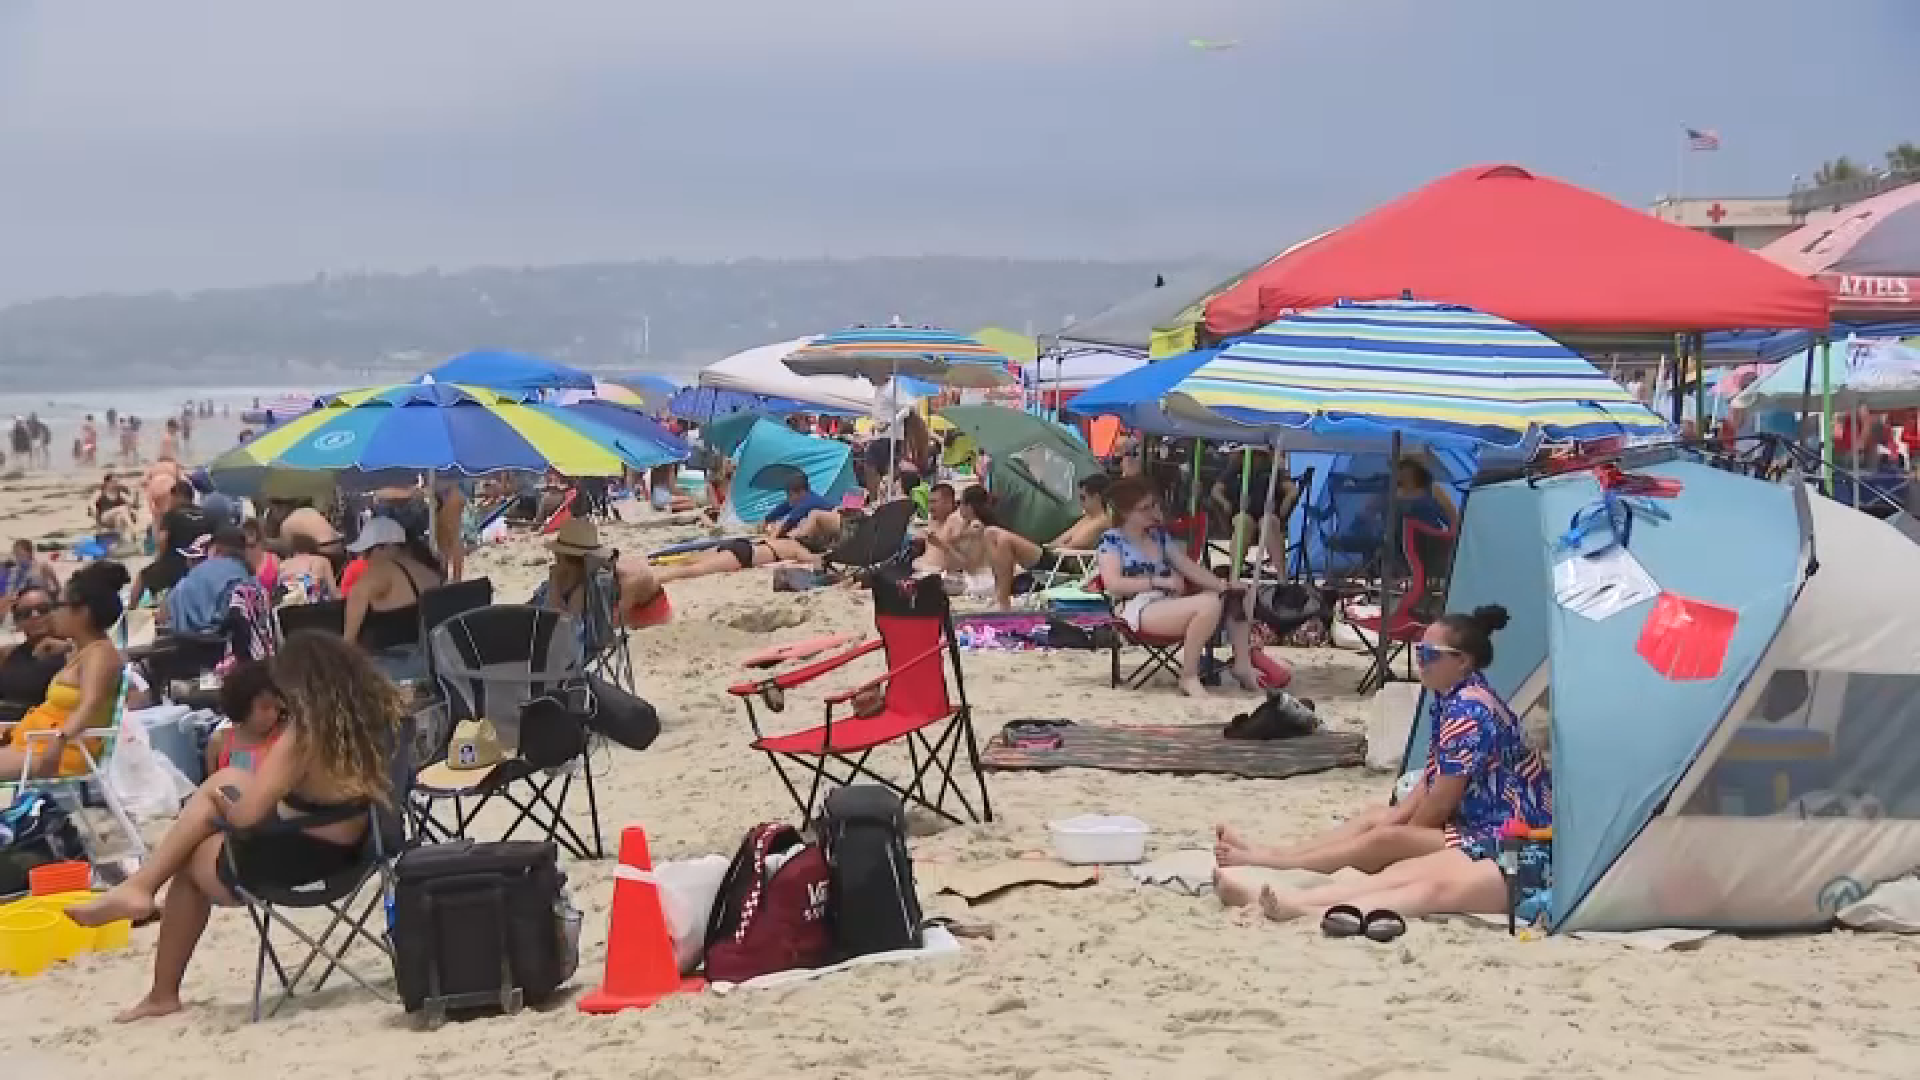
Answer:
(1904, 158)
(1839, 170)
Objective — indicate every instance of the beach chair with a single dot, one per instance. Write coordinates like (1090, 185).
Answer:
(329, 616)
(493, 663)
(345, 897)
(1427, 550)
(1163, 653)
(604, 626)
(916, 709)
(94, 787)
(875, 540)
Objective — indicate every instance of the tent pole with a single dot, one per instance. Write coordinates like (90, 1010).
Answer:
(1679, 381)
(1826, 414)
(1806, 395)
(1697, 346)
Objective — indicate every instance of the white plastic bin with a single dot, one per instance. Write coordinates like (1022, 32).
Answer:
(1093, 839)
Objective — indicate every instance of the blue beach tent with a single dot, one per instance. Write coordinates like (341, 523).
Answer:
(1763, 797)
(770, 454)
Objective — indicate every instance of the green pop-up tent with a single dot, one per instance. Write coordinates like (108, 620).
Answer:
(1034, 467)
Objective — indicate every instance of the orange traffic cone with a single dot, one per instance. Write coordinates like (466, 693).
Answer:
(640, 965)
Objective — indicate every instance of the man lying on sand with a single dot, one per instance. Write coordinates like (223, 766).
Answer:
(1480, 771)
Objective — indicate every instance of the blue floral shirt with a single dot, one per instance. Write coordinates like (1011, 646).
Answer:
(1476, 736)
(1135, 561)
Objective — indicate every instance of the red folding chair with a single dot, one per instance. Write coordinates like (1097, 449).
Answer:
(1163, 652)
(916, 709)
(1426, 548)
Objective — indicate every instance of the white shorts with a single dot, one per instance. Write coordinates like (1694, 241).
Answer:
(1139, 602)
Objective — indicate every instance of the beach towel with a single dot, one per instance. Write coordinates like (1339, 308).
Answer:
(936, 941)
(1182, 750)
(1016, 631)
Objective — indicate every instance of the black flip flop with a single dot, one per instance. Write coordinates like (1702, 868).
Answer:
(1343, 920)
(1383, 925)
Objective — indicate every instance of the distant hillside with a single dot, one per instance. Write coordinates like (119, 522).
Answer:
(668, 316)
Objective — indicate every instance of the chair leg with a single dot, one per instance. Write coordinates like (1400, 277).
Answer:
(593, 810)
(121, 817)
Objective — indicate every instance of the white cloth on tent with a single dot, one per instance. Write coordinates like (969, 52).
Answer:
(1892, 907)
(1601, 586)
(763, 370)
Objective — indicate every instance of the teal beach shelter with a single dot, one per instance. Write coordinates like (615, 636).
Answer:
(1752, 777)
(770, 454)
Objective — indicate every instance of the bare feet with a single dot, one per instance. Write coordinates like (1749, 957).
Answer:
(1249, 679)
(147, 1008)
(1192, 688)
(1230, 848)
(1282, 907)
(123, 901)
(1231, 890)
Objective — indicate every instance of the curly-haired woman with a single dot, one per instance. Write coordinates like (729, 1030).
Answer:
(300, 816)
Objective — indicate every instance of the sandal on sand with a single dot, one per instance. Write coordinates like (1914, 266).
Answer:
(1343, 920)
(1383, 925)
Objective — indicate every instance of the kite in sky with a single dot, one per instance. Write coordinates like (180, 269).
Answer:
(1213, 45)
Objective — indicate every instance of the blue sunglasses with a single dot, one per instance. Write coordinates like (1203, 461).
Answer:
(1425, 654)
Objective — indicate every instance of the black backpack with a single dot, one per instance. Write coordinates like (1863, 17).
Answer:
(871, 903)
(479, 926)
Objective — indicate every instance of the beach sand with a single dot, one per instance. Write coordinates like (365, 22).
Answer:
(1114, 980)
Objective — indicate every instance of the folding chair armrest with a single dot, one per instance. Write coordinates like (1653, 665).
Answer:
(810, 672)
(848, 695)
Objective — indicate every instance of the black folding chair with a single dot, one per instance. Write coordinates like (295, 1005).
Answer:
(493, 663)
(604, 625)
(343, 895)
(329, 616)
(875, 540)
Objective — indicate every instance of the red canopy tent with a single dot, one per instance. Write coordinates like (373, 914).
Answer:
(1535, 250)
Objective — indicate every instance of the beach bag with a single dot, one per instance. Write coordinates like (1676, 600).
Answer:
(771, 912)
(480, 926)
(872, 906)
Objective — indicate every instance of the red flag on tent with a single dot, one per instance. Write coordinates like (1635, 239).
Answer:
(1684, 638)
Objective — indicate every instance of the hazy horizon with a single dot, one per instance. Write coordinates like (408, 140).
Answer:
(200, 144)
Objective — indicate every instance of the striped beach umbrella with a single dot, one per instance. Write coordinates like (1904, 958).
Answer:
(1425, 369)
(607, 391)
(447, 427)
(882, 353)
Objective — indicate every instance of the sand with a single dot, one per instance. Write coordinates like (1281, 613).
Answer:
(1112, 980)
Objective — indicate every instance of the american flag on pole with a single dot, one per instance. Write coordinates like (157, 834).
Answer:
(1703, 139)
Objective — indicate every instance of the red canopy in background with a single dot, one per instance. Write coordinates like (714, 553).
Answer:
(1536, 251)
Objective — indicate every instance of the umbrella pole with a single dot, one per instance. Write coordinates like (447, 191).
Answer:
(433, 513)
(1697, 346)
(1381, 658)
(1240, 542)
(1260, 528)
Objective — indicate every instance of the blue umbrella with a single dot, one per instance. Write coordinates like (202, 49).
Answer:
(501, 369)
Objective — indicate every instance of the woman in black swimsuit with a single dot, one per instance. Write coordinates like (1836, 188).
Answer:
(383, 607)
(737, 553)
(301, 816)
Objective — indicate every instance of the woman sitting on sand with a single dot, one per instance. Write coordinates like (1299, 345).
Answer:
(1480, 772)
(301, 815)
(1162, 592)
(86, 691)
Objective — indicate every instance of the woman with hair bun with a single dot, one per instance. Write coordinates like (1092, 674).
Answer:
(86, 692)
(1480, 772)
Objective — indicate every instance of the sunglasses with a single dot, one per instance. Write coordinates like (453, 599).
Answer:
(32, 611)
(1425, 654)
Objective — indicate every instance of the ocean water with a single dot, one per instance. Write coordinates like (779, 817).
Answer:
(63, 412)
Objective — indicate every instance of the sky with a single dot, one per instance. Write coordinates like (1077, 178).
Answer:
(183, 144)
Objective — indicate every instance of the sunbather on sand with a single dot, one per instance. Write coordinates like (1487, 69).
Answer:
(737, 553)
(1480, 771)
(1377, 905)
(330, 765)
(1011, 554)
(943, 521)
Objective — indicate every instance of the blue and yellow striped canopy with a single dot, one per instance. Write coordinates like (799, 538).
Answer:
(1423, 368)
(447, 427)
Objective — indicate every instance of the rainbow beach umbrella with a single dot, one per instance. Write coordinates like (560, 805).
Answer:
(1430, 370)
(447, 427)
(884, 353)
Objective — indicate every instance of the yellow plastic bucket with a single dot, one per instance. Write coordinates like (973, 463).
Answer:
(73, 938)
(28, 940)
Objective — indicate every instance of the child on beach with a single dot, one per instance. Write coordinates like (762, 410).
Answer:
(255, 719)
